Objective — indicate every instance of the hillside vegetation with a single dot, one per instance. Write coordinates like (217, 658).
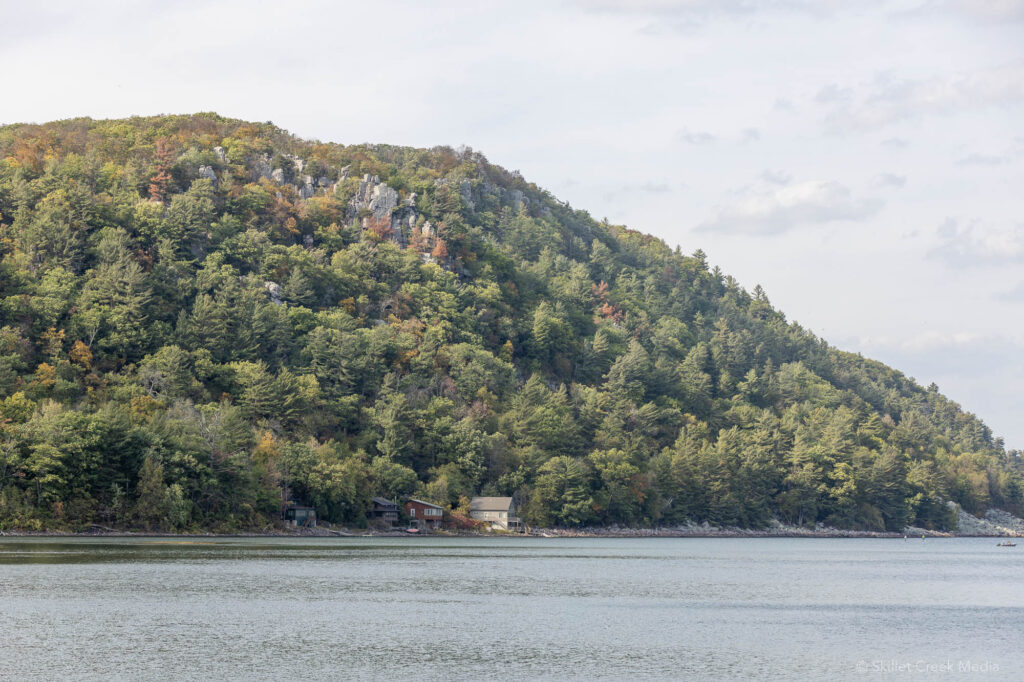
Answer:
(200, 315)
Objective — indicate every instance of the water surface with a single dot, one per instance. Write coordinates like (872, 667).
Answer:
(503, 608)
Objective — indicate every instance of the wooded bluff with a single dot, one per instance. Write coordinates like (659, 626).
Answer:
(199, 316)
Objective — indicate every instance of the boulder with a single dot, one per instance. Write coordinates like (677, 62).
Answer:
(516, 199)
(208, 173)
(403, 220)
(261, 168)
(375, 196)
(365, 192)
(274, 291)
(383, 201)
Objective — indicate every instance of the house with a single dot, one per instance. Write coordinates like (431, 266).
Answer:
(423, 514)
(499, 512)
(295, 515)
(384, 510)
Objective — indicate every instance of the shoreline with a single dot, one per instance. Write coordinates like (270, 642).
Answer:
(995, 524)
(539, 534)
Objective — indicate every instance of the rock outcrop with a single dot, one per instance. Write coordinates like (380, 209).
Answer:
(274, 291)
(382, 203)
(377, 203)
(486, 192)
(303, 183)
(261, 168)
(374, 196)
(208, 173)
(996, 523)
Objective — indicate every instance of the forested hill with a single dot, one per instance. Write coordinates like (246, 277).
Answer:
(198, 313)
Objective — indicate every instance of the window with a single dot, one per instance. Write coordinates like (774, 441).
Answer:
(412, 512)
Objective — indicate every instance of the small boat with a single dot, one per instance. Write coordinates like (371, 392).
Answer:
(413, 531)
(1007, 543)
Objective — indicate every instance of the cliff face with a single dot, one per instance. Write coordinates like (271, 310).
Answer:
(200, 315)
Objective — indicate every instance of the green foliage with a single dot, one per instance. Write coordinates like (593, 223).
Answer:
(182, 351)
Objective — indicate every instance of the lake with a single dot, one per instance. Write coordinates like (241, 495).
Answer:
(510, 608)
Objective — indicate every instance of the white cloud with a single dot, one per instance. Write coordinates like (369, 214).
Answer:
(776, 177)
(651, 187)
(981, 11)
(773, 209)
(925, 341)
(833, 93)
(1014, 295)
(982, 160)
(890, 99)
(895, 143)
(702, 10)
(751, 135)
(978, 244)
(890, 180)
(696, 137)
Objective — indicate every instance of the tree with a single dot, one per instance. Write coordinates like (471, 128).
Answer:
(392, 416)
(622, 490)
(258, 397)
(158, 183)
(550, 335)
(562, 495)
(630, 374)
(151, 494)
(392, 480)
(543, 418)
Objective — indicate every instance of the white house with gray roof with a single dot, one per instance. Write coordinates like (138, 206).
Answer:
(499, 512)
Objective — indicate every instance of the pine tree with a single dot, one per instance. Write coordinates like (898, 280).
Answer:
(159, 181)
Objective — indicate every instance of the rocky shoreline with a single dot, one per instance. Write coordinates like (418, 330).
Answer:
(995, 523)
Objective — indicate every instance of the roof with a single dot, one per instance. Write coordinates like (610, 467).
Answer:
(384, 502)
(490, 504)
(428, 504)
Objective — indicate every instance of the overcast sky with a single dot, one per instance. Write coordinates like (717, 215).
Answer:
(862, 161)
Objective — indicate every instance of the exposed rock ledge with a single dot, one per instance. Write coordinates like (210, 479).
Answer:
(996, 523)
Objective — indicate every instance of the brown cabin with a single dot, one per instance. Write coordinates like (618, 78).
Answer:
(423, 514)
(384, 510)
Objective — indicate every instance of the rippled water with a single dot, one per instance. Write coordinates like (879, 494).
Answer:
(468, 608)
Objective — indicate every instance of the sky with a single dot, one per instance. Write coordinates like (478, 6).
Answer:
(861, 161)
